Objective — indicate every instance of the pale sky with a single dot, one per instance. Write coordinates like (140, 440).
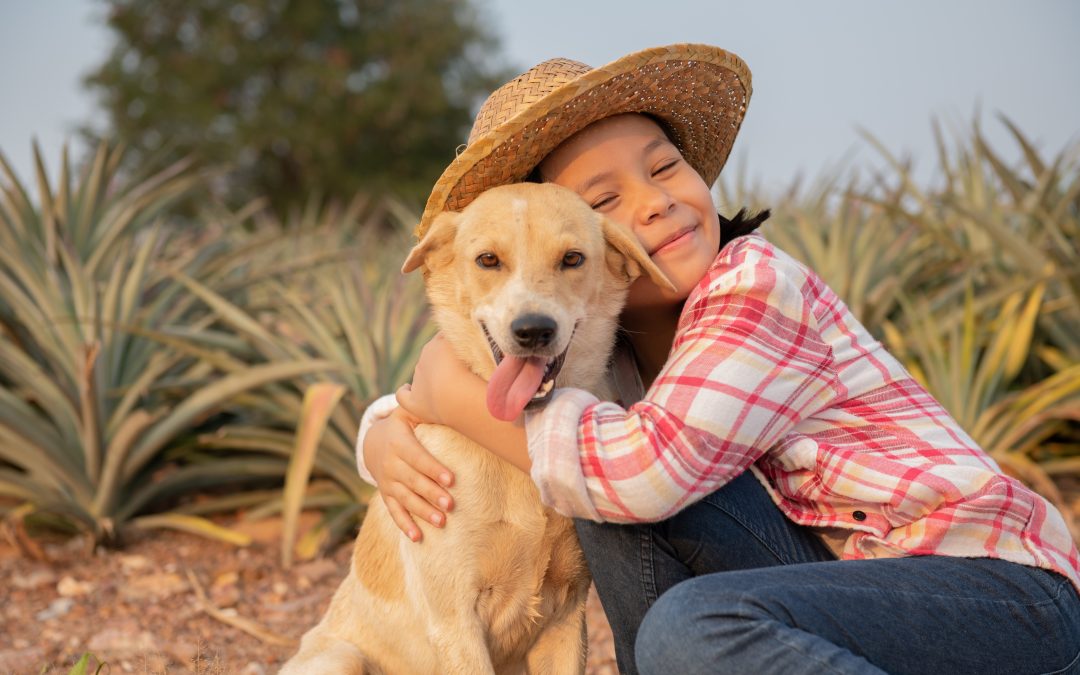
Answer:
(822, 69)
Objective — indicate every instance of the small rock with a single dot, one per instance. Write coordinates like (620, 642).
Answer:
(134, 563)
(225, 592)
(70, 587)
(253, 668)
(153, 586)
(122, 640)
(35, 579)
(280, 588)
(59, 607)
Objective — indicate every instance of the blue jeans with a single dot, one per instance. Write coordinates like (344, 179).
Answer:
(730, 585)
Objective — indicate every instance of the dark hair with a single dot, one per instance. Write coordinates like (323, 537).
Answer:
(740, 225)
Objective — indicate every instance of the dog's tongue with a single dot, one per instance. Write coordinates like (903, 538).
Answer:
(513, 384)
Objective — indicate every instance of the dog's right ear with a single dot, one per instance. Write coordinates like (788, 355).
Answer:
(635, 261)
(441, 232)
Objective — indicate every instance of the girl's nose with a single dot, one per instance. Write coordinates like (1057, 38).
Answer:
(655, 203)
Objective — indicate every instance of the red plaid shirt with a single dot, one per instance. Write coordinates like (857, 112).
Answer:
(770, 371)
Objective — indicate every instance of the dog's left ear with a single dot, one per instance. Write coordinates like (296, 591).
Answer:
(634, 259)
(441, 232)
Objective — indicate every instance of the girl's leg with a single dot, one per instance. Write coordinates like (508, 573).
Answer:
(736, 527)
(926, 614)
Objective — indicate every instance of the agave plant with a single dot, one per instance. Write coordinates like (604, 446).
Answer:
(865, 255)
(1005, 224)
(91, 403)
(349, 306)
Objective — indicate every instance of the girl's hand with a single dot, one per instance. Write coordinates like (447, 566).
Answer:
(410, 480)
(436, 384)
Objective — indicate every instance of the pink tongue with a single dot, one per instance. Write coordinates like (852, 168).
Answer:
(513, 384)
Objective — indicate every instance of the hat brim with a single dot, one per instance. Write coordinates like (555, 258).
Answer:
(699, 93)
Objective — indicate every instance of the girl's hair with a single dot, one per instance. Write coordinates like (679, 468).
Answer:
(741, 224)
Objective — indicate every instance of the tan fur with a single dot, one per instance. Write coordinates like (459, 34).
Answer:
(502, 588)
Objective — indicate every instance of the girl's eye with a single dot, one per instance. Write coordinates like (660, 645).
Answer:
(602, 202)
(488, 261)
(573, 259)
(665, 167)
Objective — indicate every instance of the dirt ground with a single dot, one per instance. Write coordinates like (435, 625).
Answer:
(139, 609)
(175, 603)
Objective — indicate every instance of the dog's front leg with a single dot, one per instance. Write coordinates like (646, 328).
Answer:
(560, 649)
(321, 654)
(459, 640)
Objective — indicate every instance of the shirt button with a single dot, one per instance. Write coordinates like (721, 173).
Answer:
(858, 515)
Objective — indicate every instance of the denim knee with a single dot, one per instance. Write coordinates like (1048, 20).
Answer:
(670, 631)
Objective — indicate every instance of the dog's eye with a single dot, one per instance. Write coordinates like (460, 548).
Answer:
(488, 261)
(573, 259)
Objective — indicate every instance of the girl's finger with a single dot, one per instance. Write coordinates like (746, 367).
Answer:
(417, 506)
(402, 518)
(429, 490)
(405, 402)
(417, 457)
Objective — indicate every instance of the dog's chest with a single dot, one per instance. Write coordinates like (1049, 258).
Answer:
(528, 564)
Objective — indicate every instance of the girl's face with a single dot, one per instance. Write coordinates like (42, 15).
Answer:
(626, 168)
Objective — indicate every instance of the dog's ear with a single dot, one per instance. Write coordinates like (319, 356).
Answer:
(630, 259)
(440, 233)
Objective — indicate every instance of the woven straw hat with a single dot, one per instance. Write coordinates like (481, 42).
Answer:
(698, 93)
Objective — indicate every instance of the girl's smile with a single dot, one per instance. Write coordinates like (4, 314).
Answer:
(675, 241)
(626, 168)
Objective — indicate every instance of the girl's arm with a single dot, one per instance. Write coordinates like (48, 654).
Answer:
(410, 480)
(445, 391)
(747, 365)
(377, 410)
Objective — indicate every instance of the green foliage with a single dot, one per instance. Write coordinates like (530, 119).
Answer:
(864, 254)
(299, 97)
(358, 312)
(99, 378)
(82, 666)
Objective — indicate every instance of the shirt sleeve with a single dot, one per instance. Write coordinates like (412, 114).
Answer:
(748, 364)
(379, 409)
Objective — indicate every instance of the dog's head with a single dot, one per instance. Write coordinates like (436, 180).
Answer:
(525, 278)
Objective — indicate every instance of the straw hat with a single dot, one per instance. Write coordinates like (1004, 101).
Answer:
(698, 93)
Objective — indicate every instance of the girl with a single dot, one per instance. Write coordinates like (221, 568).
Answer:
(773, 492)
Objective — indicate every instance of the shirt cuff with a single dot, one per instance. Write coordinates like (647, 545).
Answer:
(556, 460)
(379, 409)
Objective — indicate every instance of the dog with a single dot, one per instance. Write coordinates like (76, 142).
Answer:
(526, 283)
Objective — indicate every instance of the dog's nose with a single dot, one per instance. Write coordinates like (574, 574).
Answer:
(533, 330)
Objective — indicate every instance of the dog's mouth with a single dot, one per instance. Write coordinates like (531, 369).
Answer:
(520, 382)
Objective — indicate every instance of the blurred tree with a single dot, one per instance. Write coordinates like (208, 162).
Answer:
(298, 97)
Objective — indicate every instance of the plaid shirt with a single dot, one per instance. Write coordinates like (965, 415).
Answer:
(770, 371)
